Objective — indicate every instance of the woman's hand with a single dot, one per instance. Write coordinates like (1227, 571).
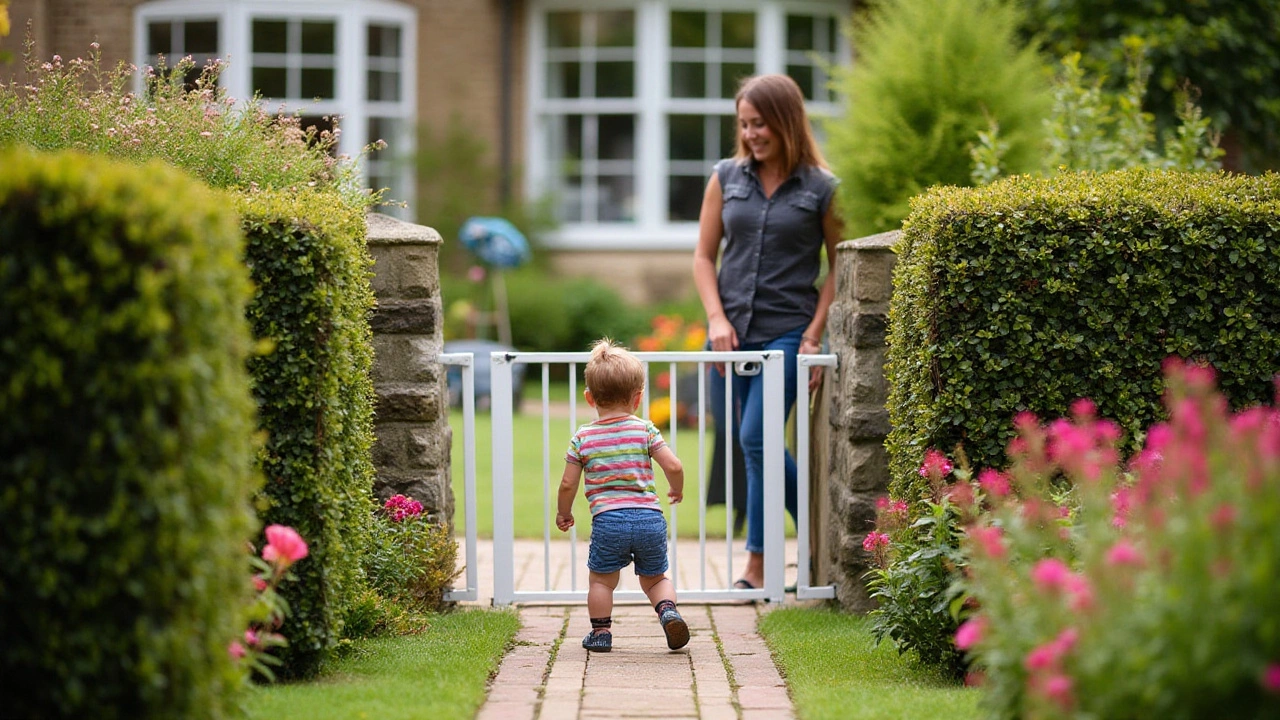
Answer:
(723, 338)
(812, 346)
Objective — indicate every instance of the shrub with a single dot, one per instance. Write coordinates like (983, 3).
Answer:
(1027, 293)
(1156, 596)
(555, 314)
(411, 558)
(929, 75)
(307, 255)
(126, 441)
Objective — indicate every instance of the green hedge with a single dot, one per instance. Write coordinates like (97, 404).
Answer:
(307, 254)
(126, 441)
(1030, 293)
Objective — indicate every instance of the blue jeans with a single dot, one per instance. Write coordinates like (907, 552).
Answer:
(620, 536)
(749, 391)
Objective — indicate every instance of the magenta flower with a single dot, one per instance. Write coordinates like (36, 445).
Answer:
(400, 507)
(1050, 574)
(874, 541)
(935, 466)
(1084, 409)
(989, 539)
(1271, 678)
(993, 482)
(259, 583)
(970, 632)
(250, 638)
(235, 649)
(1057, 688)
(284, 545)
(1123, 553)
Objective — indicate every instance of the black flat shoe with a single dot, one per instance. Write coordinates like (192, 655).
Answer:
(598, 641)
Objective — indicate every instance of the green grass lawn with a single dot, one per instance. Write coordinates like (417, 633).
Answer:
(530, 504)
(835, 670)
(440, 673)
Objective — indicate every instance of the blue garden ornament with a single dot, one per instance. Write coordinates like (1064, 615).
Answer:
(495, 241)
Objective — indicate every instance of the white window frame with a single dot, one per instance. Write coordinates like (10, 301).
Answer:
(351, 62)
(651, 230)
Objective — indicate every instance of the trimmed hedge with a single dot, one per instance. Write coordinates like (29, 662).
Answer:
(1030, 293)
(126, 441)
(307, 254)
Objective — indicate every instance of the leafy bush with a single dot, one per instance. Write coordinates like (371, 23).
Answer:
(1157, 597)
(411, 558)
(307, 255)
(929, 75)
(126, 441)
(1028, 293)
(557, 314)
(1091, 128)
(915, 581)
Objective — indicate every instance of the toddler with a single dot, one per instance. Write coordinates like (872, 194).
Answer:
(627, 523)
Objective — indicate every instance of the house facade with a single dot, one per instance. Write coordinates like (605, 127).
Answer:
(614, 110)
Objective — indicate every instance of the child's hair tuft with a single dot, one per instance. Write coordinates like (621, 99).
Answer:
(613, 374)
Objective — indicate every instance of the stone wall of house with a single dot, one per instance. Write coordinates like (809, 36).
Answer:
(859, 472)
(411, 450)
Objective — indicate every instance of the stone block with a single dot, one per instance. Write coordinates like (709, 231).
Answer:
(408, 402)
(865, 422)
(869, 330)
(418, 317)
(862, 378)
(407, 358)
(873, 279)
(859, 466)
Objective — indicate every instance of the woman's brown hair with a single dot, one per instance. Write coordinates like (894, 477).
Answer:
(781, 104)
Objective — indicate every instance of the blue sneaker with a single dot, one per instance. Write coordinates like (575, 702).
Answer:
(676, 629)
(598, 641)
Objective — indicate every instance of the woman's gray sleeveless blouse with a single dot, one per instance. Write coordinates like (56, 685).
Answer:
(772, 248)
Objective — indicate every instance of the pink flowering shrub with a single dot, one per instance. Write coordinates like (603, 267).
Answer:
(1153, 592)
(284, 547)
(410, 559)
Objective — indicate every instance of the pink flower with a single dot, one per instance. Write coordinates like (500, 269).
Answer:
(882, 503)
(250, 638)
(898, 507)
(1223, 516)
(1271, 678)
(475, 273)
(1041, 657)
(993, 482)
(1084, 409)
(970, 632)
(1057, 688)
(989, 539)
(284, 545)
(1123, 553)
(874, 541)
(235, 649)
(961, 494)
(935, 465)
(400, 507)
(259, 583)
(1050, 574)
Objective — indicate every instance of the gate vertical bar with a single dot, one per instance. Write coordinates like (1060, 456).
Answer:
(775, 560)
(466, 362)
(672, 441)
(546, 476)
(504, 585)
(803, 574)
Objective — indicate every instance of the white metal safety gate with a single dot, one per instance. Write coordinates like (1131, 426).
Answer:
(504, 474)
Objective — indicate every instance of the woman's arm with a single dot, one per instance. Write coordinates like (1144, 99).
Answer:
(710, 232)
(832, 229)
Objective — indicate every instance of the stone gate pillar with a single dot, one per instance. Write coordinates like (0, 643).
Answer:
(411, 424)
(859, 418)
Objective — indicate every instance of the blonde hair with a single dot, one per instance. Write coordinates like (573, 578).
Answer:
(780, 103)
(613, 374)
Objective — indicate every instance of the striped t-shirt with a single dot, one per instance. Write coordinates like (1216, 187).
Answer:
(615, 458)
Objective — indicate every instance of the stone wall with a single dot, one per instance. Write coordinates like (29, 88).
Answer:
(411, 450)
(859, 419)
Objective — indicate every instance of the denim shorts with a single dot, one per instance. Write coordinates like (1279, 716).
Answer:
(620, 536)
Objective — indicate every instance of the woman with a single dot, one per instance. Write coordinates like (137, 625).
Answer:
(771, 204)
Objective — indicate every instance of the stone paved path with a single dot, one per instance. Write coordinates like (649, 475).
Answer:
(725, 672)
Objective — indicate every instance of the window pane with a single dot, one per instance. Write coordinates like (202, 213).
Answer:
(270, 36)
(564, 142)
(685, 137)
(617, 137)
(800, 32)
(384, 85)
(563, 79)
(387, 129)
(688, 29)
(564, 29)
(738, 30)
(615, 79)
(616, 199)
(684, 197)
(317, 38)
(731, 77)
(616, 29)
(202, 37)
(688, 80)
(570, 192)
(803, 75)
(159, 38)
(384, 41)
(832, 40)
(317, 83)
(271, 82)
(728, 135)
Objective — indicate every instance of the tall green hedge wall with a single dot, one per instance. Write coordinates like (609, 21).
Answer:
(126, 441)
(1030, 293)
(307, 255)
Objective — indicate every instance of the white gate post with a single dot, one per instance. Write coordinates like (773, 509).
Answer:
(500, 409)
(775, 560)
